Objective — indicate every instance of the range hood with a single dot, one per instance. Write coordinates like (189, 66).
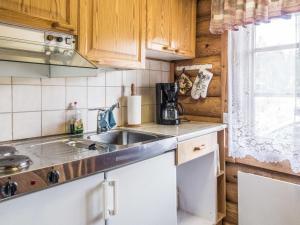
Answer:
(32, 53)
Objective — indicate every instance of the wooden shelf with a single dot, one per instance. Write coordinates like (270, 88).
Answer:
(185, 218)
(221, 173)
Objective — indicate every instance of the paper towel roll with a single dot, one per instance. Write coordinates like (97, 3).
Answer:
(134, 110)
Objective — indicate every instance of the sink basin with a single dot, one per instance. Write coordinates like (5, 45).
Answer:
(122, 137)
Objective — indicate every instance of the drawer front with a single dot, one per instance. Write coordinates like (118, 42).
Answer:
(196, 147)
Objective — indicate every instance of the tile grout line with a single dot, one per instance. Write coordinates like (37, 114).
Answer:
(12, 106)
(41, 107)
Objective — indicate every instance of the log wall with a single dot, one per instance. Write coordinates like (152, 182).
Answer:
(212, 49)
(208, 51)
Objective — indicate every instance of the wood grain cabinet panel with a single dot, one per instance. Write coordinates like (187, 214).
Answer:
(58, 15)
(159, 17)
(171, 28)
(112, 32)
(184, 27)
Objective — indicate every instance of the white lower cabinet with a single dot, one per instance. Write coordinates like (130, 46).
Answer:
(144, 193)
(76, 203)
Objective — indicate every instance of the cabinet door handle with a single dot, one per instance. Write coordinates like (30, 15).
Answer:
(105, 200)
(107, 211)
(167, 48)
(179, 51)
(63, 27)
(114, 211)
(199, 148)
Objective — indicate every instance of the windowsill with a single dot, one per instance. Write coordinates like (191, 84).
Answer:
(282, 167)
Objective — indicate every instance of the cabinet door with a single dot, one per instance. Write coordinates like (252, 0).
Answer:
(112, 32)
(76, 203)
(58, 15)
(159, 17)
(146, 192)
(184, 27)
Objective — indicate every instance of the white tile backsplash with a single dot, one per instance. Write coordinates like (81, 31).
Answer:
(6, 126)
(5, 99)
(147, 99)
(143, 78)
(27, 125)
(155, 65)
(76, 81)
(5, 80)
(39, 106)
(53, 122)
(24, 80)
(26, 98)
(92, 121)
(54, 81)
(98, 81)
(113, 95)
(155, 77)
(129, 77)
(165, 77)
(96, 97)
(165, 66)
(76, 94)
(53, 97)
(114, 78)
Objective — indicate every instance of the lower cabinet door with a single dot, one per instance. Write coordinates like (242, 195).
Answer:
(144, 193)
(76, 203)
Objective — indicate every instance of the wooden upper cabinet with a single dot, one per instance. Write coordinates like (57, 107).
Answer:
(112, 32)
(184, 27)
(58, 15)
(159, 17)
(171, 29)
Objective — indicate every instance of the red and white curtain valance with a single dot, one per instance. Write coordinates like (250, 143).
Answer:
(230, 14)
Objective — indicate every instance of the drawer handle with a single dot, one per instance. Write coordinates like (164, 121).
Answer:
(167, 48)
(199, 148)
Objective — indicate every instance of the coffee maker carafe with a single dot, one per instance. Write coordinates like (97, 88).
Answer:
(167, 107)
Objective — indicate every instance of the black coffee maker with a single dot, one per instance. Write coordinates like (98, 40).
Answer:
(167, 107)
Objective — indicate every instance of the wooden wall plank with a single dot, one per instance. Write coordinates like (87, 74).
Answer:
(224, 69)
(232, 192)
(210, 106)
(202, 27)
(208, 46)
(202, 118)
(231, 213)
(215, 60)
(204, 8)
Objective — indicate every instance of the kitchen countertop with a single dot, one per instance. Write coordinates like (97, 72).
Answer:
(182, 132)
(57, 153)
(70, 157)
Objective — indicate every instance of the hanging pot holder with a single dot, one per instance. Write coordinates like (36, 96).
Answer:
(201, 84)
(184, 83)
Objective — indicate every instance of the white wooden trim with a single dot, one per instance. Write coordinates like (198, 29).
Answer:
(195, 67)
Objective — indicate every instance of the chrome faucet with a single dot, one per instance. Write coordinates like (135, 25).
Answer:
(102, 123)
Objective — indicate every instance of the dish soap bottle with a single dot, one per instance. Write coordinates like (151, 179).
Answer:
(76, 124)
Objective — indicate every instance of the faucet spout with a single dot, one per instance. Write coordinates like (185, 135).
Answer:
(102, 117)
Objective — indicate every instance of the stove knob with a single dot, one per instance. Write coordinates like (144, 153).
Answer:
(59, 39)
(9, 189)
(53, 177)
(50, 37)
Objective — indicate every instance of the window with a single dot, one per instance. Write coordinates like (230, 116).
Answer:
(264, 92)
(274, 75)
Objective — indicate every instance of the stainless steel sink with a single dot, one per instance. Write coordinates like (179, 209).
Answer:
(122, 137)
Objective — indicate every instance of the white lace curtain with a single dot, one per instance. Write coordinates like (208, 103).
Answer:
(263, 110)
